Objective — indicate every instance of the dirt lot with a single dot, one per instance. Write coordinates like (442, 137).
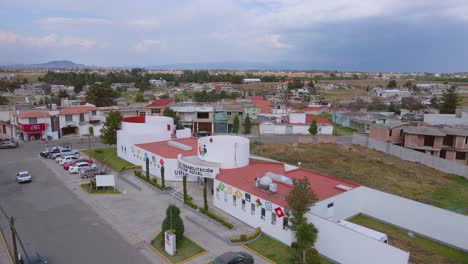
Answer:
(376, 170)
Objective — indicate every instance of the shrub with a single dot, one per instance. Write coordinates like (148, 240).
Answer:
(153, 181)
(244, 237)
(98, 150)
(191, 204)
(137, 173)
(173, 215)
(216, 217)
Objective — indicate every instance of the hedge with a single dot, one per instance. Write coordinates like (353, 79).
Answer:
(130, 167)
(152, 181)
(244, 237)
(216, 217)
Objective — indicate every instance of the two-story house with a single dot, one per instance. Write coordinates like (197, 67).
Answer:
(156, 107)
(35, 125)
(388, 132)
(424, 139)
(76, 120)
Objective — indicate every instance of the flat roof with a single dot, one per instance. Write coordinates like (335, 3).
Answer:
(244, 178)
(163, 149)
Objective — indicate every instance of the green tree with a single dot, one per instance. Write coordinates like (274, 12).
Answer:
(173, 222)
(40, 101)
(91, 131)
(62, 94)
(110, 127)
(300, 199)
(139, 97)
(77, 88)
(184, 185)
(205, 192)
(313, 129)
(449, 101)
(101, 95)
(3, 100)
(235, 125)
(392, 84)
(434, 103)
(170, 113)
(247, 124)
(411, 103)
(163, 180)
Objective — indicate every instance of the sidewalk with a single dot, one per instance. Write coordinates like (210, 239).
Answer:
(4, 256)
(137, 215)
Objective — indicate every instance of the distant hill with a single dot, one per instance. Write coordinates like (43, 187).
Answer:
(59, 64)
(235, 65)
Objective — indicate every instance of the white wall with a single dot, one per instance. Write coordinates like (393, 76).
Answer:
(228, 151)
(446, 119)
(298, 118)
(254, 220)
(347, 246)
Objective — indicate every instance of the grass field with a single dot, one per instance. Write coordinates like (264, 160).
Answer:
(186, 249)
(30, 76)
(108, 190)
(274, 250)
(376, 170)
(421, 250)
(109, 155)
(342, 94)
(342, 131)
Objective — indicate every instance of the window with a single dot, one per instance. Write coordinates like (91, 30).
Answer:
(81, 117)
(429, 141)
(247, 197)
(241, 113)
(155, 111)
(460, 155)
(252, 208)
(466, 140)
(401, 132)
(390, 133)
(234, 200)
(203, 115)
(33, 120)
(93, 112)
(225, 196)
(330, 205)
(217, 193)
(243, 205)
(262, 214)
(142, 113)
(273, 218)
(285, 223)
(228, 113)
(68, 118)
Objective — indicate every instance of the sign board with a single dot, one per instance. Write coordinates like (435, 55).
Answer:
(105, 181)
(32, 127)
(170, 242)
(197, 170)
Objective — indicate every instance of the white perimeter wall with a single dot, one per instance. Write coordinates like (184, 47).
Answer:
(229, 151)
(347, 246)
(435, 223)
(274, 230)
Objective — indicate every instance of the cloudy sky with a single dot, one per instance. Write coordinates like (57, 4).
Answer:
(366, 35)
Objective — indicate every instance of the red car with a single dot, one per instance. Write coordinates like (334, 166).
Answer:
(67, 165)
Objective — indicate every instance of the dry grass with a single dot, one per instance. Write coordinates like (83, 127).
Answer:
(30, 76)
(376, 170)
(342, 94)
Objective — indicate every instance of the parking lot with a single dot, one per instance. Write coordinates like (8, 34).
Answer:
(51, 219)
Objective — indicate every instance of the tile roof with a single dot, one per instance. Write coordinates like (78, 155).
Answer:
(323, 186)
(160, 103)
(75, 110)
(264, 105)
(164, 150)
(314, 108)
(424, 130)
(320, 120)
(32, 114)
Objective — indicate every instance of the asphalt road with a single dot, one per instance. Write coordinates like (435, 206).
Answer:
(51, 219)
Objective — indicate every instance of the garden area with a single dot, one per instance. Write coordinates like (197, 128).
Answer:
(421, 250)
(108, 156)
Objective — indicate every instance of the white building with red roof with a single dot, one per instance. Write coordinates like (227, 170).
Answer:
(254, 191)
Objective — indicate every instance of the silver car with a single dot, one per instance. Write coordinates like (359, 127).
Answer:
(23, 176)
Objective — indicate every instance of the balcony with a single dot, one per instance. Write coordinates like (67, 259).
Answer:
(70, 123)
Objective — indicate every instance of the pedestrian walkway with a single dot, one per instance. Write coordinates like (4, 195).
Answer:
(4, 255)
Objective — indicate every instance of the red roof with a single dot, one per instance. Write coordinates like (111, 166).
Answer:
(256, 98)
(134, 119)
(164, 150)
(244, 178)
(160, 103)
(32, 114)
(314, 108)
(320, 120)
(264, 105)
(75, 110)
(218, 88)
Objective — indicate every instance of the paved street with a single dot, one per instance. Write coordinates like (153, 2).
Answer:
(52, 219)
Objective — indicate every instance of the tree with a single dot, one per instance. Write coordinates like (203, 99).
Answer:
(91, 131)
(411, 103)
(163, 181)
(449, 101)
(3, 100)
(62, 94)
(139, 97)
(392, 84)
(247, 125)
(173, 222)
(77, 88)
(205, 198)
(101, 95)
(376, 105)
(184, 185)
(40, 101)
(111, 125)
(170, 113)
(313, 129)
(300, 199)
(235, 125)
(434, 103)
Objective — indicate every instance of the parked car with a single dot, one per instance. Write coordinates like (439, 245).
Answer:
(86, 173)
(203, 133)
(234, 258)
(48, 151)
(8, 144)
(80, 165)
(32, 259)
(63, 152)
(66, 166)
(65, 159)
(23, 176)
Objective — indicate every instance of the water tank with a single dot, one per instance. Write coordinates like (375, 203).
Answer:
(265, 180)
(273, 187)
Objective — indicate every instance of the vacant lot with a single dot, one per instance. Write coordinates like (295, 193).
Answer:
(421, 250)
(376, 170)
(341, 94)
(30, 76)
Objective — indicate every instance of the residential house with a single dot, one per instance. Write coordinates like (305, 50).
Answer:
(389, 132)
(35, 125)
(293, 124)
(156, 107)
(76, 120)
(424, 139)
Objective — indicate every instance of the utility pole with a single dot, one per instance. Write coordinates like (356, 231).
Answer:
(13, 237)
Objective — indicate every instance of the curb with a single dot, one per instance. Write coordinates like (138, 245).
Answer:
(2, 239)
(258, 254)
(182, 261)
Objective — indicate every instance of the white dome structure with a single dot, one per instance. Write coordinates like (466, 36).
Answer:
(228, 151)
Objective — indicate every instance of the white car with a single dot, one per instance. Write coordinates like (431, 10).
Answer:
(23, 176)
(66, 159)
(63, 152)
(80, 165)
